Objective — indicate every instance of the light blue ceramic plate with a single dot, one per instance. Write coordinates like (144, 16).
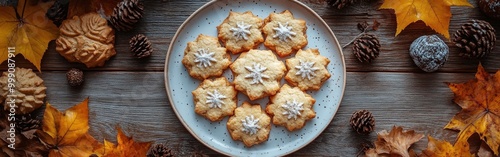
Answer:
(214, 134)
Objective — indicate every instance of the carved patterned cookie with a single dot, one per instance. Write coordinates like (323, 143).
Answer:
(215, 99)
(241, 31)
(257, 73)
(249, 124)
(307, 70)
(291, 108)
(284, 34)
(205, 57)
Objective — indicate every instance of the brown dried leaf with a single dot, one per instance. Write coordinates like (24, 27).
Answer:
(396, 142)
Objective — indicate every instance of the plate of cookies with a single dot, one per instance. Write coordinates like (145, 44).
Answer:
(255, 77)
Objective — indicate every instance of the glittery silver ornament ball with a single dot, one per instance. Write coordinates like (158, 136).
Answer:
(429, 52)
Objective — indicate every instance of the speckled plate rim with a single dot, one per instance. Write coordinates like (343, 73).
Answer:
(169, 93)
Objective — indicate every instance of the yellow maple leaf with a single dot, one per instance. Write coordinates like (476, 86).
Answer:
(435, 14)
(66, 134)
(437, 148)
(480, 102)
(27, 29)
(126, 147)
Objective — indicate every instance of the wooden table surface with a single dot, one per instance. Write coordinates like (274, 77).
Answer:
(131, 93)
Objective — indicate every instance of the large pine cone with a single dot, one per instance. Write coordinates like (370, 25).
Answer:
(58, 12)
(140, 46)
(126, 14)
(476, 38)
(362, 121)
(160, 150)
(366, 47)
(339, 4)
(28, 91)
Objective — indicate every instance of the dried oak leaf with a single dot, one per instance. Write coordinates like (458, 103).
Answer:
(435, 14)
(27, 29)
(66, 134)
(480, 102)
(437, 148)
(81, 7)
(126, 147)
(394, 143)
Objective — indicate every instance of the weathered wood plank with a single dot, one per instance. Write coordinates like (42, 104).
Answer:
(138, 103)
(162, 18)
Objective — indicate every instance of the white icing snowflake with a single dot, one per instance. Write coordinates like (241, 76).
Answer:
(215, 99)
(241, 30)
(292, 109)
(256, 74)
(306, 69)
(250, 125)
(204, 58)
(283, 32)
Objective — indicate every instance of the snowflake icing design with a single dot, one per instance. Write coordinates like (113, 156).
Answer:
(204, 58)
(283, 32)
(306, 69)
(292, 109)
(250, 125)
(215, 99)
(256, 74)
(241, 30)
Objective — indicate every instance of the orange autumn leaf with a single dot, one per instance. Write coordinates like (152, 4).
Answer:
(435, 14)
(27, 29)
(66, 134)
(394, 143)
(437, 148)
(126, 147)
(480, 102)
(81, 7)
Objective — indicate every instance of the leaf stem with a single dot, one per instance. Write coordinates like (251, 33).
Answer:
(24, 7)
(350, 42)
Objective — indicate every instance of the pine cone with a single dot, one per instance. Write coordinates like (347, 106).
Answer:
(58, 12)
(126, 14)
(339, 4)
(366, 47)
(75, 77)
(160, 150)
(140, 46)
(476, 38)
(27, 122)
(362, 121)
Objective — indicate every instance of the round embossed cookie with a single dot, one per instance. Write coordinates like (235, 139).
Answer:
(307, 70)
(249, 124)
(241, 31)
(215, 99)
(257, 73)
(205, 57)
(291, 108)
(284, 34)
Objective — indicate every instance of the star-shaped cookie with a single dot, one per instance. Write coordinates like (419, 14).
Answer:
(307, 70)
(249, 124)
(215, 99)
(284, 34)
(241, 31)
(205, 57)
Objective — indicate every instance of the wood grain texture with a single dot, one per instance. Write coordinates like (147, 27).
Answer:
(131, 93)
(137, 102)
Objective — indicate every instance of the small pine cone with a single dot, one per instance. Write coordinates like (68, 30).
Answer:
(58, 12)
(476, 38)
(339, 4)
(75, 77)
(140, 46)
(362, 121)
(366, 47)
(160, 150)
(126, 14)
(27, 122)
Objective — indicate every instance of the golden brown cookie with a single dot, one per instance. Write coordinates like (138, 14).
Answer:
(284, 34)
(291, 108)
(307, 70)
(241, 31)
(215, 99)
(205, 57)
(257, 73)
(249, 124)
